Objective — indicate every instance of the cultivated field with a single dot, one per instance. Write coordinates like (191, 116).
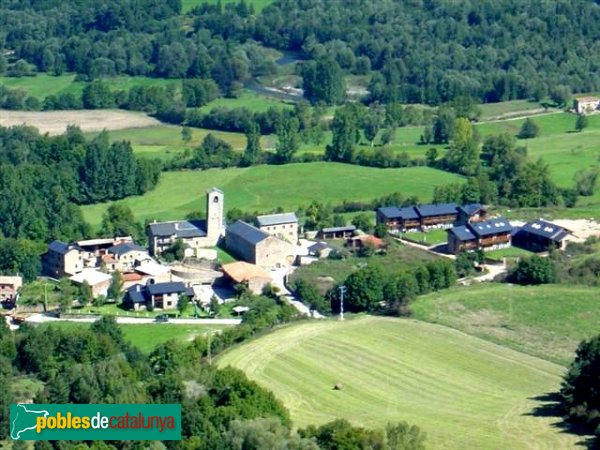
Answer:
(464, 392)
(545, 321)
(264, 188)
(56, 122)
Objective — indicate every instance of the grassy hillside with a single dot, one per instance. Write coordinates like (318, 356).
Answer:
(267, 187)
(464, 392)
(545, 321)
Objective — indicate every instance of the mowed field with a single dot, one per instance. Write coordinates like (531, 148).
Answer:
(464, 392)
(546, 321)
(56, 122)
(264, 188)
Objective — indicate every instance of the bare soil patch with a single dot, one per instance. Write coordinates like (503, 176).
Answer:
(56, 122)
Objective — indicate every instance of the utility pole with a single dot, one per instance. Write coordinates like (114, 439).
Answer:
(342, 289)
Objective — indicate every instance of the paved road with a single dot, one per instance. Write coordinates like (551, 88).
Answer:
(279, 277)
(42, 318)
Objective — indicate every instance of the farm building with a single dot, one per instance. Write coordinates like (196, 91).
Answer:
(336, 232)
(257, 247)
(586, 105)
(487, 235)
(540, 236)
(9, 286)
(100, 246)
(424, 217)
(365, 240)
(195, 234)
(284, 226)
(98, 281)
(156, 295)
(253, 276)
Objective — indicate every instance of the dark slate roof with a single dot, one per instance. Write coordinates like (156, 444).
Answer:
(492, 226)
(121, 249)
(247, 232)
(389, 212)
(135, 295)
(276, 219)
(318, 247)
(393, 212)
(471, 208)
(338, 229)
(59, 247)
(440, 209)
(462, 233)
(166, 288)
(181, 229)
(545, 229)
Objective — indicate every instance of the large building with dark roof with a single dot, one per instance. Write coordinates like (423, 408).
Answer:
(423, 217)
(540, 236)
(258, 247)
(284, 226)
(194, 234)
(486, 235)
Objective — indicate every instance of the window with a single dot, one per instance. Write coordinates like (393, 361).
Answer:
(215, 199)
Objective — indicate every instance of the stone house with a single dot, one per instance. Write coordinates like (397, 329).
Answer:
(98, 281)
(125, 256)
(586, 105)
(258, 247)
(9, 287)
(283, 226)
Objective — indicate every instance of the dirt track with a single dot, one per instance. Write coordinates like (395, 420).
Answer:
(55, 122)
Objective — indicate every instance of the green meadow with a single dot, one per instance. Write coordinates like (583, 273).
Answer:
(147, 336)
(464, 392)
(258, 4)
(545, 321)
(264, 188)
(43, 85)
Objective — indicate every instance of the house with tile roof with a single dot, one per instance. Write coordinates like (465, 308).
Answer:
(424, 217)
(156, 295)
(125, 256)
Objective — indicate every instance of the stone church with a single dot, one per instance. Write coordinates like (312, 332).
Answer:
(195, 234)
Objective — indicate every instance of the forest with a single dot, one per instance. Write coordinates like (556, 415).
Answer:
(416, 51)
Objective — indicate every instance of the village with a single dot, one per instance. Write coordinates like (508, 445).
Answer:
(267, 251)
